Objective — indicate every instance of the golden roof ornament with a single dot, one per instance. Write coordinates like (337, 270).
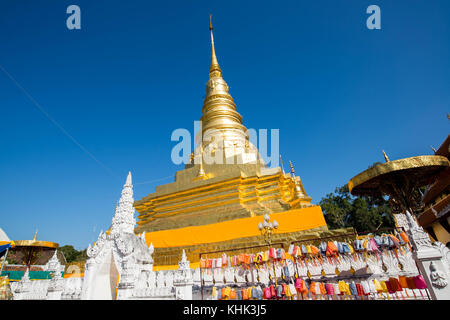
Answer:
(385, 156)
(201, 171)
(298, 189)
(292, 168)
(281, 163)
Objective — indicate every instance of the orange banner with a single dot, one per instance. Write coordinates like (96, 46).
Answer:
(289, 221)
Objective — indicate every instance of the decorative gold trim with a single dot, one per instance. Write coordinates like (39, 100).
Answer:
(35, 243)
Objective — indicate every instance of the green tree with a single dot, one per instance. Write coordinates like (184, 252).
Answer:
(70, 253)
(336, 207)
(342, 209)
(82, 255)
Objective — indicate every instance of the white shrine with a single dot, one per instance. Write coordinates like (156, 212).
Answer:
(120, 265)
(119, 258)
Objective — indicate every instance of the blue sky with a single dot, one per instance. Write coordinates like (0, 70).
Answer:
(338, 92)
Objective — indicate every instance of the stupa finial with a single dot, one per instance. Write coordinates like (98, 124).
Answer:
(35, 235)
(292, 167)
(214, 63)
(128, 182)
(385, 156)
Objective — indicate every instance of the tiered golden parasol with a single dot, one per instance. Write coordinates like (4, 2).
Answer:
(400, 180)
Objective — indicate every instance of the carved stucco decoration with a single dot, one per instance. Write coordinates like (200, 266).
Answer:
(445, 252)
(401, 221)
(390, 263)
(409, 265)
(437, 277)
(374, 264)
(419, 237)
(130, 253)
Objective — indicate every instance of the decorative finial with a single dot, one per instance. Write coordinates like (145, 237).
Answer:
(151, 249)
(214, 70)
(281, 162)
(292, 167)
(201, 172)
(385, 156)
(434, 150)
(128, 181)
(35, 235)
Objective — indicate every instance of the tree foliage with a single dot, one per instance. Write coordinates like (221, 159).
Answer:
(342, 209)
(71, 254)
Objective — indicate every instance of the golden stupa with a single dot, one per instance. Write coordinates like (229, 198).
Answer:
(212, 206)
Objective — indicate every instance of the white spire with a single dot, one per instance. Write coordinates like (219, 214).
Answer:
(184, 263)
(128, 182)
(124, 220)
(183, 256)
(54, 258)
(26, 276)
(150, 248)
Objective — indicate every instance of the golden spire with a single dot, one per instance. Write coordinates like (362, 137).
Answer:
(219, 110)
(385, 156)
(214, 63)
(35, 235)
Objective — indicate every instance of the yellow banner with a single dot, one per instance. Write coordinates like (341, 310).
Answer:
(289, 221)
